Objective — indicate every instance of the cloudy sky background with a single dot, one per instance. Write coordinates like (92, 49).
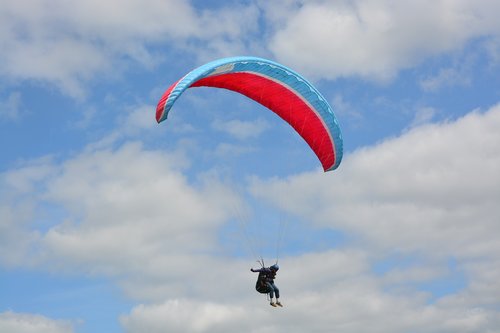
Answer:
(110, 222)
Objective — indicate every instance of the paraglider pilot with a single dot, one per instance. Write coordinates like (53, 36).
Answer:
(265, 283)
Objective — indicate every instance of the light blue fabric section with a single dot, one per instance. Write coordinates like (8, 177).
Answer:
(275, 71)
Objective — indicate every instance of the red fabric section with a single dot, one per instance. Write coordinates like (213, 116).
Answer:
(161, 104)
(282, 101)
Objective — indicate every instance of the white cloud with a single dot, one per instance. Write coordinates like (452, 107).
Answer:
(16, 237)
(228, 149)
(11, 322)
(493, 51)
(373, 39)
(137, 119)
(452, 76)
(19, 196)
(25, 178)
(132, 215)
(242, 129)
(67, 44)
(432, 193)
(185, 315)
(127, 213)
(426, 186)
(423, 115)
(341, 295)
(344, 109)
(123, 205)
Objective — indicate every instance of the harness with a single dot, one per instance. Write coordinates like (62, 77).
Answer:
(261, 285)
(262, 279)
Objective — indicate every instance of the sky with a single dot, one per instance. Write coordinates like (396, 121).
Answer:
(110, 222)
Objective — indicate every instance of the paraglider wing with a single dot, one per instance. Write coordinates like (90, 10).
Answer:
(275, 86)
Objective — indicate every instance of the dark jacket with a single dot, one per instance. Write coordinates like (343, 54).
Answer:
(266, 275)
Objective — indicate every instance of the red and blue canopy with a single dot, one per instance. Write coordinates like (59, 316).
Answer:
(275, 86)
